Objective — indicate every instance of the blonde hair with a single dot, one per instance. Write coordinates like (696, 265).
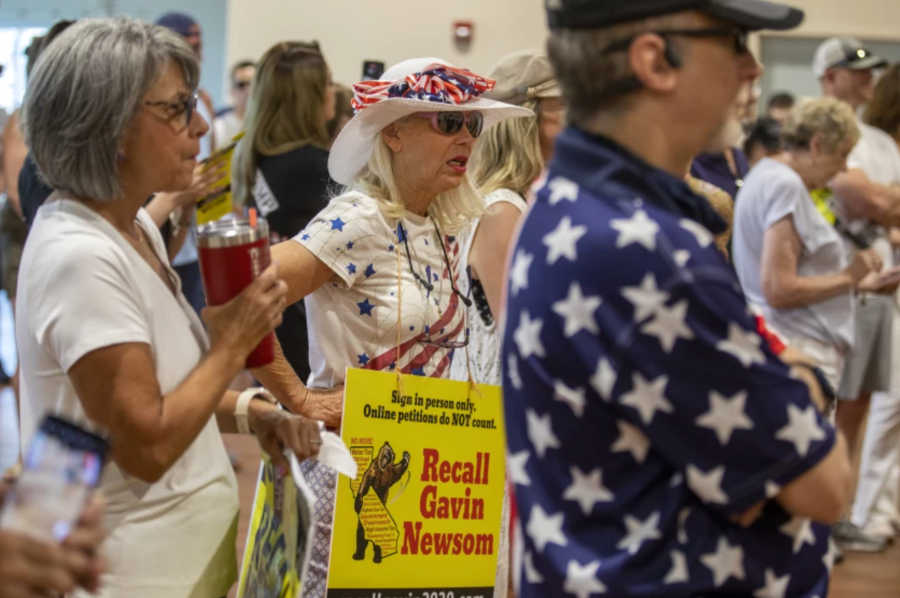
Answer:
(285, 109)
(452, 210)
(828, 118)
(508, 156)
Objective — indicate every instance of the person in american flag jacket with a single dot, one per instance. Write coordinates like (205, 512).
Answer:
(657, 444)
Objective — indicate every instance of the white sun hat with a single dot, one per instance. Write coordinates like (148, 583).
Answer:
(417, 85)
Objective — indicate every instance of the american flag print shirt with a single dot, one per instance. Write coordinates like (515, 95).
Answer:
(353, 319)
(643, 409)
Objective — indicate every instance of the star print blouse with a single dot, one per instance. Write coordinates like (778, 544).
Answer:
(643, 408)
(353, 320)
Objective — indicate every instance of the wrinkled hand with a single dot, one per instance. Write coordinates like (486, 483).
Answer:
(240, 325)
(276, 430)
(321, 404)
(864, 262)
(202, 185)
(35, 569)
(882, 283)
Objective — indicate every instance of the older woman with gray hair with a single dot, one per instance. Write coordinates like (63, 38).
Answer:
(378, 267)
(790, 260)
(105, 336)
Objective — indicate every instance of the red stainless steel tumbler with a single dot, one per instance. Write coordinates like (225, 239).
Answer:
(232, 254)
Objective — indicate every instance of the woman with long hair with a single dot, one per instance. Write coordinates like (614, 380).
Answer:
(282, 163)
(506, 163)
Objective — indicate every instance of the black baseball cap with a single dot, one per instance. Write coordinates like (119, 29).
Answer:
(593, 14)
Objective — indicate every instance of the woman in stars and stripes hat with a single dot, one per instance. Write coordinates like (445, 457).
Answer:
(378, 267)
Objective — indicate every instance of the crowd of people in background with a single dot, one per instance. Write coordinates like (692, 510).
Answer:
(700, 321)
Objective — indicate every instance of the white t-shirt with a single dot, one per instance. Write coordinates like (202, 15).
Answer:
(225, 128)
(771, 192)
(484, 345)
(353, 320)
(878, 156)
(82, 287)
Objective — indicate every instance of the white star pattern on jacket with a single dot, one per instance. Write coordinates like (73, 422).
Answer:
(802, 430)
(518, 275)
(637, 377)
(540, 431)
(545, 529)
(679, 571)
(587, 489)
(528, 337)
(637, 229)
(562, 241)
(775, 586)
(646, 299)
(517, 472)
(800, 530)
(727, 561)
(726, 415)
(669, 325)
(562, 188)
(573, 397)
(639, 532)
(581, 580)
(578, 311)
(648, 397)
(631, 439)
(604, 379)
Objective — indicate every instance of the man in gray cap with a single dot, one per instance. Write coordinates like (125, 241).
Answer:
(657, 445)
(867, 196)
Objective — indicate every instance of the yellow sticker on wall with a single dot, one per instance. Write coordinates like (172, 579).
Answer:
(424, 511)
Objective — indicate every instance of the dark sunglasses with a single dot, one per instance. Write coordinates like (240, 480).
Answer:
(175, 109)
(739, 35)
(451, 123)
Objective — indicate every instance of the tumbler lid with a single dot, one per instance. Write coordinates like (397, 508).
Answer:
(231, 233)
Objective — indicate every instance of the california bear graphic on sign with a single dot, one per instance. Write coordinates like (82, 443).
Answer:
(378, 479)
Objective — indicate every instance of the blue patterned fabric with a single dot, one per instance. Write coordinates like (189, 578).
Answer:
(643, 409)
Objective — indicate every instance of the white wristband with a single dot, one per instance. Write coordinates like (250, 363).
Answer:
(243, 406)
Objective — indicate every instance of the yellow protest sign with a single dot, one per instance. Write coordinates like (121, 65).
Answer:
(220, 202)
(269, 569)
(423, 513)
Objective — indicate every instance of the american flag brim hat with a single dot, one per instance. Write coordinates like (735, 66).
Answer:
(418, 85)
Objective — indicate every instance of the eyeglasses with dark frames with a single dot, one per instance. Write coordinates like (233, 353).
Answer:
(740, 37)
(175, 109)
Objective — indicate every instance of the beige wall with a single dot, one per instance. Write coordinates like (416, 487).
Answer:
(862, 18)
(351, 31)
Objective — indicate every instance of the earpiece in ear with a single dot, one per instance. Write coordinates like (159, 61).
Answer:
(673, 57)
